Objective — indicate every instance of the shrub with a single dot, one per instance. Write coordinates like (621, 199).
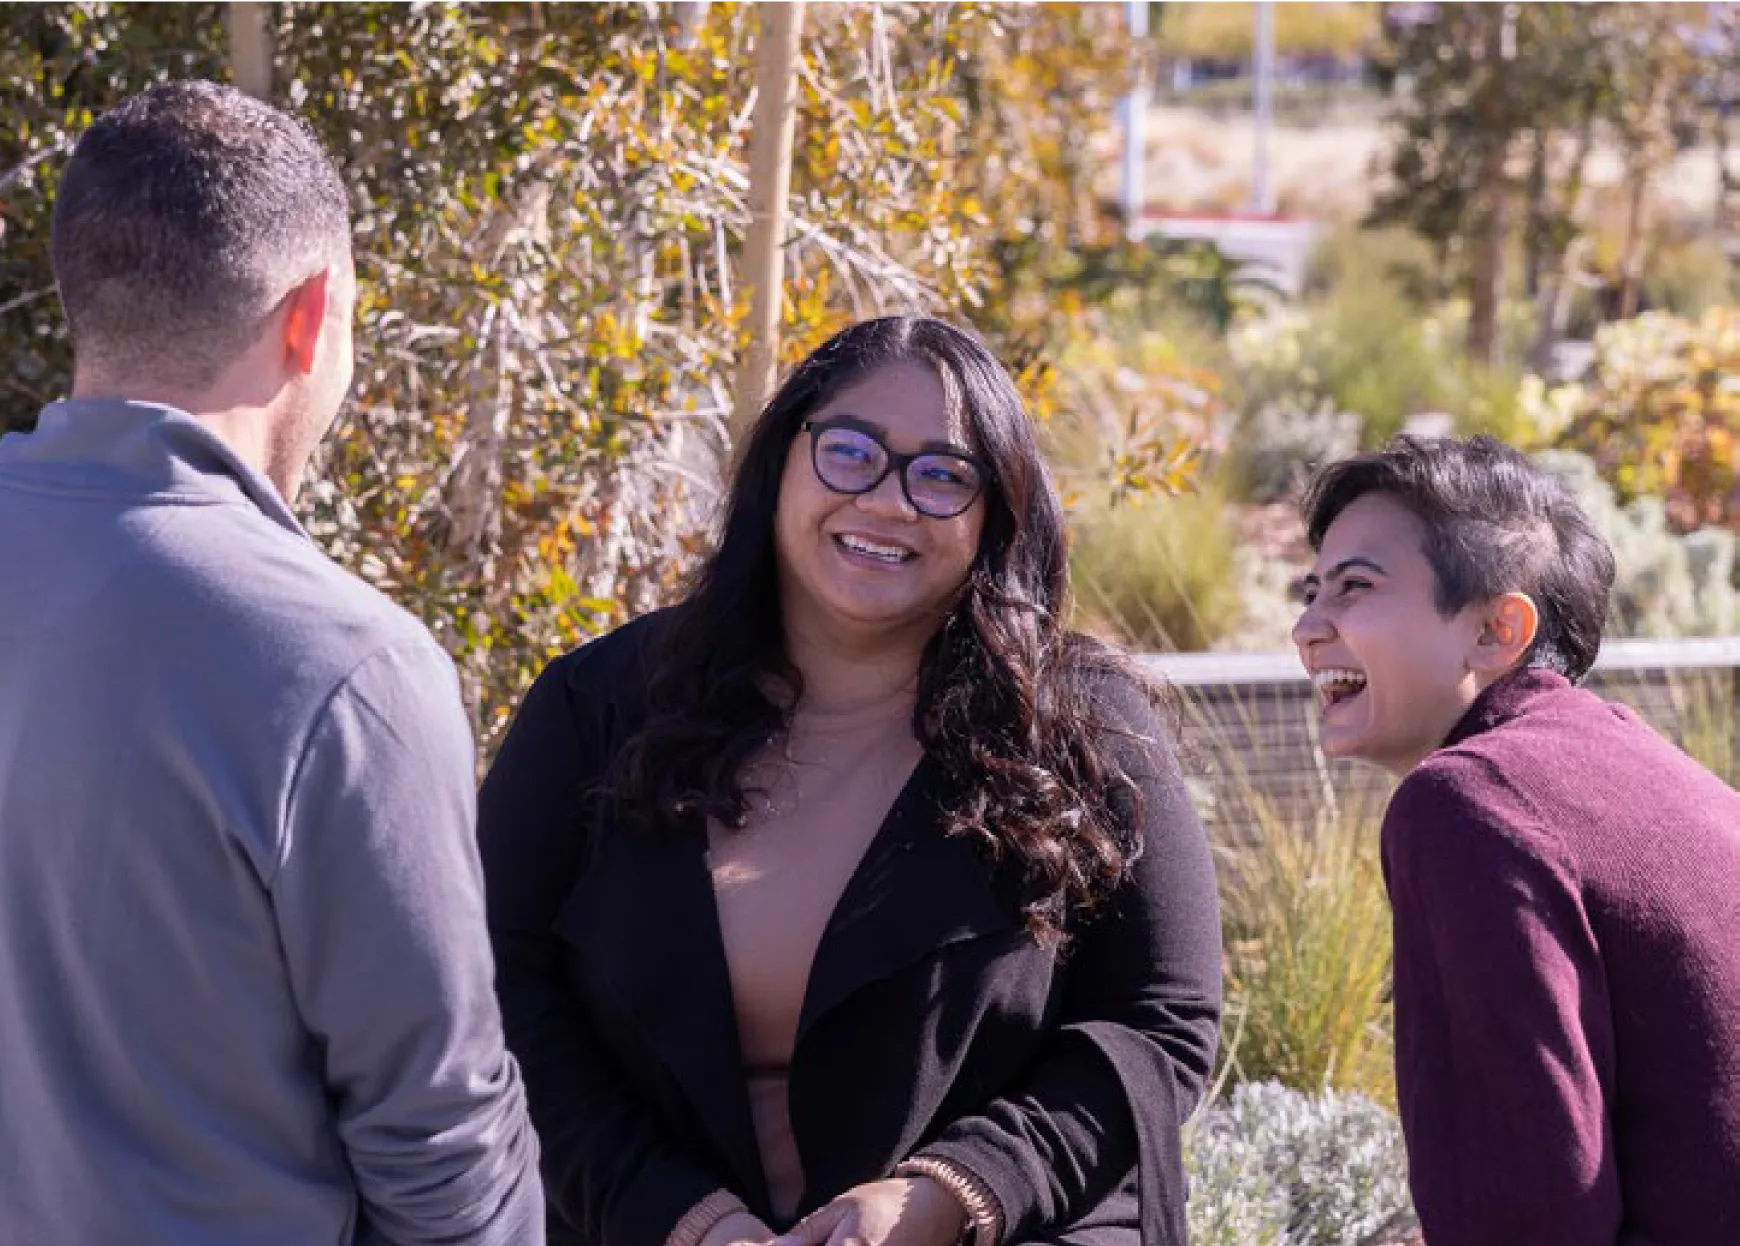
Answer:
(1661, 417)
(1275, 1167)
(1399, 258)
(1271, 363)
(1158, 573)
(1668, 584)
(1278, 446)
(1488, 400)
(1689, 276)
(1374, 357)
(1307, 926)
(1367, 348)
(1160, 274)
(1152, 560)
(1706, 706)
(1127, 389)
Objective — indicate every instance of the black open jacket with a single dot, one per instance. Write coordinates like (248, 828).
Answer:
(933, 1022)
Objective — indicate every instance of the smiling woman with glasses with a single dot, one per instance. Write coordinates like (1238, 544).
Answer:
(855, 897)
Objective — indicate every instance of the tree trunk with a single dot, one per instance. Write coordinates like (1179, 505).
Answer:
(250, 34)
(776, 85)
(1492, 189)
(1553, 299)
(1553, 307)
(1725, 181)
(1491, 234)
(1649, 147)
(1537, 240)
(1636, 241)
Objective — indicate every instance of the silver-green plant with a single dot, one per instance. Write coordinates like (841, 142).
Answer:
(1272, 1166)
(1668, 584)
(1283, 441)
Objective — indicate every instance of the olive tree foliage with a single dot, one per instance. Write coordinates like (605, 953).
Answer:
(1499, 110)
(549, 202)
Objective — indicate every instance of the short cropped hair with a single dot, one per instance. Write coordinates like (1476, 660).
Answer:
(185, 214)
(1495, 523)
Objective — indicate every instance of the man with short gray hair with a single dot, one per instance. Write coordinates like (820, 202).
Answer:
(245, 986)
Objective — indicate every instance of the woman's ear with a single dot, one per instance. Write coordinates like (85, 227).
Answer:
(1509, 626)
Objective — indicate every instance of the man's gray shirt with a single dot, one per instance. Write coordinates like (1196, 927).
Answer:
(245, 986)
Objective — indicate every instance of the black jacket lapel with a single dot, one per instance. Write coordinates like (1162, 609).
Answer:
(915, 891)
(644, 921)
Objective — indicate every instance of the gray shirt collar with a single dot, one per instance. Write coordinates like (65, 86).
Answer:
(142, 450)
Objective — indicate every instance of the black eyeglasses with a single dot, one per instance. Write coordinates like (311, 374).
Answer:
(850, 459)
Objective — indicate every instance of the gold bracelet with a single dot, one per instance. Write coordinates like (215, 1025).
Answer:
(699, 1220)
(984, 1213)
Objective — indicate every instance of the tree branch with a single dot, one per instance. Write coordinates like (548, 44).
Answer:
(24, 300)
(31, 161)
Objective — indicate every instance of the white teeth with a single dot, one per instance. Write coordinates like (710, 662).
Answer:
(871, 549)
(1334, 682)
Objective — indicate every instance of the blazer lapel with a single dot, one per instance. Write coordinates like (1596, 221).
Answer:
(915, 891)
(644, 919)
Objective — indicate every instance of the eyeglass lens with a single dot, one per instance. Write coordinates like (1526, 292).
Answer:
(939, 485)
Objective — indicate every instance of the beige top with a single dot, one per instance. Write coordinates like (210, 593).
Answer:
(816, 801)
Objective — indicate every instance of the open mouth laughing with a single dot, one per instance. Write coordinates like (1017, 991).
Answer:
(1337, 685)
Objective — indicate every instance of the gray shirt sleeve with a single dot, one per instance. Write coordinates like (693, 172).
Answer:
(379, 902)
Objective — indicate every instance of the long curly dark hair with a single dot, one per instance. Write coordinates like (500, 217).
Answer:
(1009, 702)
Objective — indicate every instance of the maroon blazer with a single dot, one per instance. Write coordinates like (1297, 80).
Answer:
(933, 1021)
(1566, 887)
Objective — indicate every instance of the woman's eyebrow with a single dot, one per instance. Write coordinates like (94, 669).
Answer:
(1342, 568)
(866, 425)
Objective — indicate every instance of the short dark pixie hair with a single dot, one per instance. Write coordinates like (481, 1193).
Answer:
(1495, 523)
(185, 214)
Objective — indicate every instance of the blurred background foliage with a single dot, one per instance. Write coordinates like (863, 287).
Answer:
(550, 203)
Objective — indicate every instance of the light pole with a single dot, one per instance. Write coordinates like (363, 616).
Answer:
(1135, 122)
(1262, 195)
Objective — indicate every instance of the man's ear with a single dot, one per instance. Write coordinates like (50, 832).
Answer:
(1509, 625)
(304, 318)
